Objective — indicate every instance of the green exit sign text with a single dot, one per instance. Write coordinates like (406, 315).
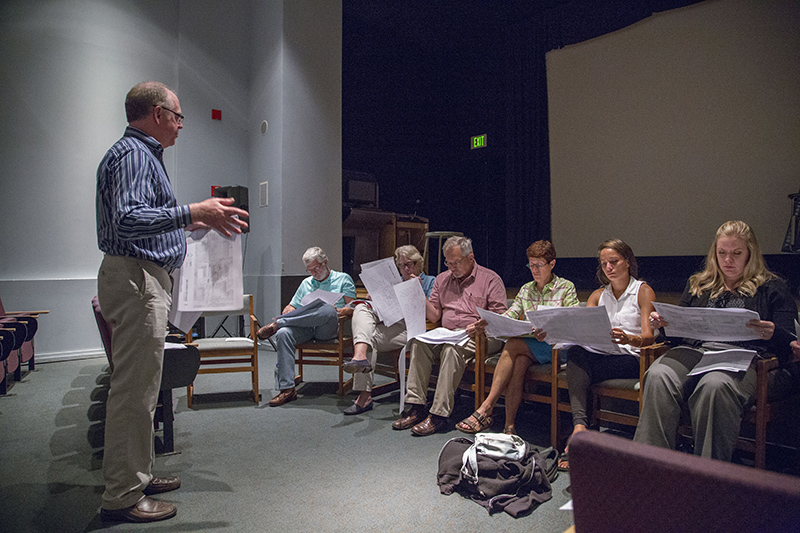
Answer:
(479, 141)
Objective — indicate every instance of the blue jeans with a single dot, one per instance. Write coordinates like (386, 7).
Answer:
(317, 322)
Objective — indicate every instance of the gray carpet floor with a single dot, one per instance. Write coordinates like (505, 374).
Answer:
(301, 467)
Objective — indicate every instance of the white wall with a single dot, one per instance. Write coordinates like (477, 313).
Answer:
(66, 69)
(662, 131)
(312, 164)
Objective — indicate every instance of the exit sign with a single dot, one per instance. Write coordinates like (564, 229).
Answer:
(478, 141)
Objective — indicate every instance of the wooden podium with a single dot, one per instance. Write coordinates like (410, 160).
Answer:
(372, 234)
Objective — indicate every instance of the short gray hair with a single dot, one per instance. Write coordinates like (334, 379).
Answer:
(410, 252)
(143, 96)
(314, 253)
(462, 242)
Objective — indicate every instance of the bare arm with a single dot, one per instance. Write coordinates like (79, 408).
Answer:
(345, 311)
(432, 312)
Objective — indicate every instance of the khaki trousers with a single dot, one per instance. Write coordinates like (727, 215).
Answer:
(452, 362)
(135, 297)
(367, 328)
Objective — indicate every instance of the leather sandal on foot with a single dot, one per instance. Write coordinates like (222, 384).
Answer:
(480, 423)
(563, 462)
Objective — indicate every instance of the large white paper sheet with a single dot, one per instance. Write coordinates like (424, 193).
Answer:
(183, 320)
(734, 360)
(379, 277)
(211, 276)
(302, 311)
(586, 326)
(412, 302)
(706, 323)
(319, 294)
(456, 337)
(502, 327)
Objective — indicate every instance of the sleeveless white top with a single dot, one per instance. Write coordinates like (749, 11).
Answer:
(624, 312)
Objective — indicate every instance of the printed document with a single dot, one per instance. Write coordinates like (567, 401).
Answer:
(210, 278)
(457, 337)
(586, 326)
(502, 327)
(412, 302)
(379, 277)
(733, 360)
(707, 323)
(319, 294)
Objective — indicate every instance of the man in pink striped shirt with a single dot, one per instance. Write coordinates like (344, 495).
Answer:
(456, 296)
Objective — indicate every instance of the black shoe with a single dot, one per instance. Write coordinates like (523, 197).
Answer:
(354, 366)
(356, 409)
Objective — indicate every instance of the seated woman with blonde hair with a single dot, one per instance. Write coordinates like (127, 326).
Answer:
(735, 275)
(519, 353)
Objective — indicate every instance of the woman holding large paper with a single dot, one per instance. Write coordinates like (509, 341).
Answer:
(735, 276)
(628, 303)
(519, 353)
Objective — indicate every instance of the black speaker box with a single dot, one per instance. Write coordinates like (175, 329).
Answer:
(239, 195)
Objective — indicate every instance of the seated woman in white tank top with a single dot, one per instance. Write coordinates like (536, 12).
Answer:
(628, 303)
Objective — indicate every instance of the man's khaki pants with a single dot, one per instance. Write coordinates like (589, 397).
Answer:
(135, 299)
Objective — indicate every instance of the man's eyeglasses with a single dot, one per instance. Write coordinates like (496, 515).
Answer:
(455, 263)
(314, 270)
(178, 117)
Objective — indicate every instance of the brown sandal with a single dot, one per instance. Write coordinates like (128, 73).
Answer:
(467, 426)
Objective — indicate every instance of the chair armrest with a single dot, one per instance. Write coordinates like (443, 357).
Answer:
(648, 354)
(481, 349)
(254, 327)
(343, 320)
(29, 313)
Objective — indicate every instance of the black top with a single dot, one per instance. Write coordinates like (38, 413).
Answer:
(773, 302)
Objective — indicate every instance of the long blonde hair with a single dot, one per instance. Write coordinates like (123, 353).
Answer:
(755, 271)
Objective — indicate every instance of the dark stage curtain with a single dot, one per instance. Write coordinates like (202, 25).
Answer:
(527, 213)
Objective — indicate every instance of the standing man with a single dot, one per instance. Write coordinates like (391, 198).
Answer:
(313, 321)
(456, 296)
(140, 229)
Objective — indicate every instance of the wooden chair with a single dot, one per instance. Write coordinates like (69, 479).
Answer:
(763, 411)
(387, 365)
(539, 387)
(219, 355)
(604, 394)
(623, 389)
(329, 352)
